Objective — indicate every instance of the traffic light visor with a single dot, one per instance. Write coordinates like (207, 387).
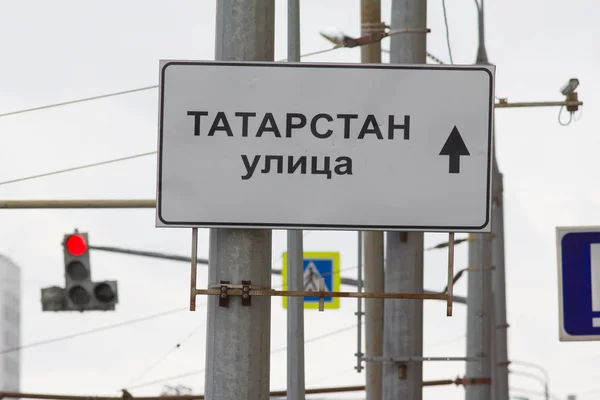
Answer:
(76, 245)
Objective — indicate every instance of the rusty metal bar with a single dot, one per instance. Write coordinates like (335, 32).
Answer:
(418, 359)
(274, 393)
(194, 269)
(235, 291)
(450, 287)
(72, 397)
(506, 104)
(133, 203)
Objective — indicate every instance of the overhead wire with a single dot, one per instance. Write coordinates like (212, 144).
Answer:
(167, 354)
(77, 168)
(178, 345)
(103, 96)
(279, 350)
(88, 332)
(447, 31)
(64, 103)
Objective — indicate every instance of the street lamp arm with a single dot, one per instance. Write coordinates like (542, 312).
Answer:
(503, 103)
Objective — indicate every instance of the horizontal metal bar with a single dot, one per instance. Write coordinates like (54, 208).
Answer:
(538, 104)
(133, 203)
(151, 254)
(418, 359)
(304, 293)
(274, 271)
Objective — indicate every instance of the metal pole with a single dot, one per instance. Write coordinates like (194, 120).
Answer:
(359, 309)
(41, 204)
(480, 315)
(238, 337)
(499, 285)
(295, 277)
(374, 282)
(370, 19)
(403, 330)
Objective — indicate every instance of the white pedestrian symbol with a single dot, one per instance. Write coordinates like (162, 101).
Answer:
(311, 278)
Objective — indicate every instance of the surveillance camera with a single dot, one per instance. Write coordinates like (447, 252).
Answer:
(570, 87)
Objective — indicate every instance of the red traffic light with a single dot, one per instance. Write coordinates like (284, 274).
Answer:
(76, 245)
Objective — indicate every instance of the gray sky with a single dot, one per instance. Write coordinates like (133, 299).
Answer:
(63, 50)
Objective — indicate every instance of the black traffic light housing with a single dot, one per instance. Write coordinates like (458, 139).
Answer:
(80, 293)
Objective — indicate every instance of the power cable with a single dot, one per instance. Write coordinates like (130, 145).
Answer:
(199, 371)
(532, 392)
(167, 354)
(448, 31)
(178, 344)
(103, 328)
(102, 96)
(76, 168)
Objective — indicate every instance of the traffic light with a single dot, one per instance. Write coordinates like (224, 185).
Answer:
(81, 292)
(77, 271)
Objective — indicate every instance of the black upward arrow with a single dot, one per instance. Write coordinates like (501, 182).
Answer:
(454, 147)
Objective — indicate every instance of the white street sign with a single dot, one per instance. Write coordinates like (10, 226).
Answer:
(325, 146)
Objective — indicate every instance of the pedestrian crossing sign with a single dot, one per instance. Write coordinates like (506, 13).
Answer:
(317, 265)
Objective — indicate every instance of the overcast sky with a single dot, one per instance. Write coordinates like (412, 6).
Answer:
(63, 50)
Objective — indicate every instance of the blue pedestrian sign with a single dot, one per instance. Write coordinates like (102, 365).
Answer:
(317, 265)
(578, 251)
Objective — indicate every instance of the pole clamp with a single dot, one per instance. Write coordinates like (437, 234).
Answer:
(224, 293)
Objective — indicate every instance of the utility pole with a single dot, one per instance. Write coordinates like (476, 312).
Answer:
(295, 278)
(499, 287)
(238, 338)
(480, 315)
(403, 331)
(370, 19)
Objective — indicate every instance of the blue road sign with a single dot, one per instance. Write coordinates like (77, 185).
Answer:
(317, 265)
(578, 251)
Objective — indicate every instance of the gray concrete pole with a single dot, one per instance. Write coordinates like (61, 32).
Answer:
(295, 259)
(374, 282)
(499, 285)
(238, 337)
(370, 22)
(403, 331)
(479, 316)
(295, 318)
(370, 18)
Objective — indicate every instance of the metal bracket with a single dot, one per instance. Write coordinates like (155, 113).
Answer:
(224, 294)
(225, 289)
(321, 294)
(246, 298)
(476, 381)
